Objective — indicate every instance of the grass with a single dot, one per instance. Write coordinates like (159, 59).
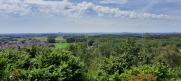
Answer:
(59, 38)
(63, 41)
(61, 45)
(37, 38)
(45, 38)
(41, 38)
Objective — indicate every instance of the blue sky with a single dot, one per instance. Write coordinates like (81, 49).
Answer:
(45, 16)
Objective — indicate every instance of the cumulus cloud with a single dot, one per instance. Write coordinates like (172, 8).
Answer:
(114, 1)
(24, 7)
(115, 12)
(13, 6)
(66, 8)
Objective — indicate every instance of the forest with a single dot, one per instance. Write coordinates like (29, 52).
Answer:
(107, 57)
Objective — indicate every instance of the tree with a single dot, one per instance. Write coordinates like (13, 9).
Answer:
(80, 40)
(52, 45)
(90, 43)
(172, 56)
(51, 40)
(3, 72)
(70, 40)
(145, 53)
(159, 70)
(128, 47)
(105, 49)
(118, 63)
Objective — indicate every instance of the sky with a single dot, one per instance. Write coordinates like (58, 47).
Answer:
(84, 16)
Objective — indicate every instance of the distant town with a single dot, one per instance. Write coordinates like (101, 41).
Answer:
(40, 39)
(20, 42)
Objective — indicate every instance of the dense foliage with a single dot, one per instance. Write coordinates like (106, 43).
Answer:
(96, 58)
(43, 64)
(51, 40)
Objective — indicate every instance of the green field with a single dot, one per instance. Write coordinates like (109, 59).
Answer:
(41, 38)
(61, 45)
(59, 38)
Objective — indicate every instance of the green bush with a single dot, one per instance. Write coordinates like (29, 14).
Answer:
(51, 40)
(158, 70)
(45, 65)
(142, 77)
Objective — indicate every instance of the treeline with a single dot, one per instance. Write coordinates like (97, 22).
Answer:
(73, 39)
(104, 58)
(69, 39)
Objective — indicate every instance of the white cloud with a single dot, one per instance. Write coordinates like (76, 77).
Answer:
(115, 12)
(23, 7)
(175, 24)
(173, 0)
(13, 6)
(114, 1)
(66, 8)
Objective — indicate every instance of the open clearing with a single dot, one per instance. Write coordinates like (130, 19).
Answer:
(61, 45)
(41, 38)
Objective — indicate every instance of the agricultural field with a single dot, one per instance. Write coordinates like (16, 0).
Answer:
(60, 38)
(21, 39)
(61, 45)
(41, 38)
(60, 42)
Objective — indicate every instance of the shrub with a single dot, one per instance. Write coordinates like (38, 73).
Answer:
(162, 72)
(142, 77)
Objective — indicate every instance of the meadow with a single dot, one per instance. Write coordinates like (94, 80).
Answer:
(60, 42)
